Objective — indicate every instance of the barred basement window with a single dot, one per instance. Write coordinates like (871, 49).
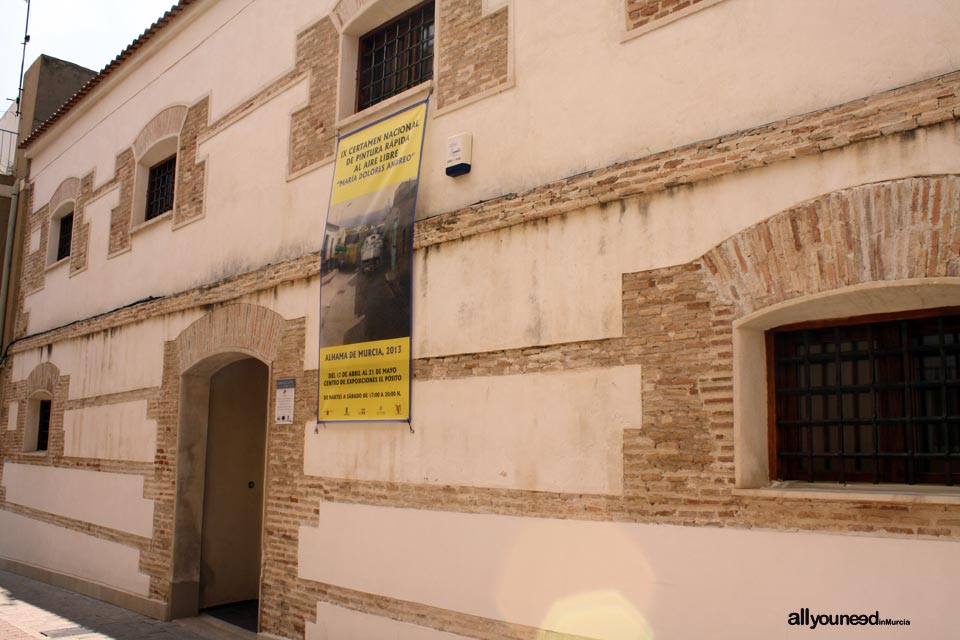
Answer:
(65, 236)
(396, 56)
(160, 188)
(867, 400)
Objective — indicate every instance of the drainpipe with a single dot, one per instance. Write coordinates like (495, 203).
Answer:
(8, 256)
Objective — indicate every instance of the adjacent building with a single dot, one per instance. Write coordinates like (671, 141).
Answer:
(686, 336)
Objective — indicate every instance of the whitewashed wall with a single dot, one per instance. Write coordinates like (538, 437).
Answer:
(113, 500)
(542, 432)
(622, 581)
(72, 553)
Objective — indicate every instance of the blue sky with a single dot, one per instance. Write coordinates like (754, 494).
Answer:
(88, 32)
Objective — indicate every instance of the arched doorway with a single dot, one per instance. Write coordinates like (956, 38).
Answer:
(220, 486)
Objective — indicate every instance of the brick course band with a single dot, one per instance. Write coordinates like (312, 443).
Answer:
(911, 107)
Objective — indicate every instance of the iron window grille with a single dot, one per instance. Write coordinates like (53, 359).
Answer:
(43, 425)
(396, 56)
(65, 236)
(160, 188)
(868, 401)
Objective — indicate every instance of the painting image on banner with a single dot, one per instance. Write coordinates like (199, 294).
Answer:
(365, 306)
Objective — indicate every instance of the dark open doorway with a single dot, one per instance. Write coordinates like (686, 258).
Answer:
(220, 475)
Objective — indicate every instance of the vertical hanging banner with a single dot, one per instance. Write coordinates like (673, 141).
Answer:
(365, 308)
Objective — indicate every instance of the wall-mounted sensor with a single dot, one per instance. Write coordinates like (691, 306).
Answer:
(459, 154)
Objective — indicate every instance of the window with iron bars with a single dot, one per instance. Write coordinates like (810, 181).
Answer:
(396, 56)
(873, 400)
(65, 236)
(160, 188)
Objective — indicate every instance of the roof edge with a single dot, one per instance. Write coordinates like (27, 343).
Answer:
(168, 17)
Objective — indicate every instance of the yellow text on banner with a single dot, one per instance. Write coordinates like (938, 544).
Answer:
(378, 156)
(366, 381)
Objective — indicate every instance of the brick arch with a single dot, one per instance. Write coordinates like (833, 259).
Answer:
(68, 190)
(44, 377)
(885, 231)
(247, 328)
(165, 124)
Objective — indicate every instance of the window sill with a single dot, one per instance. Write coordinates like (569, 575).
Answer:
(889, 493)
(385, 108)
(166, 215)
(36, 454)
(59, 263)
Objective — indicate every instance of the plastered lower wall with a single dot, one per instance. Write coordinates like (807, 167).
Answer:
(542, 431)
(113, 500)
(64, 551)
(621, 581)
(119, 431)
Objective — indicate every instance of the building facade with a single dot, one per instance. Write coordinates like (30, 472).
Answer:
(685, 337)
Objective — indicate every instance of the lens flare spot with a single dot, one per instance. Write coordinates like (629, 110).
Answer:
(605, 615)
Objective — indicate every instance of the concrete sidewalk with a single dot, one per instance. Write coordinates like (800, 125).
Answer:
(31, 609)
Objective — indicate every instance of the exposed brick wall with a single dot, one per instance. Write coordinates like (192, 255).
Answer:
(35, 262)
(43, 377)
(918, 105)
(641, 13)
(472, 50)
(252, 329)
(121, 215)
(313, 133)
(191, 173)
(80, 244)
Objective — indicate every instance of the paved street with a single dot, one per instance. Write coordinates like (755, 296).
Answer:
(31, 609)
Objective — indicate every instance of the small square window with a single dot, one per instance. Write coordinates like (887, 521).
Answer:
(396, 56)
(160, 188)
(65, 236)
